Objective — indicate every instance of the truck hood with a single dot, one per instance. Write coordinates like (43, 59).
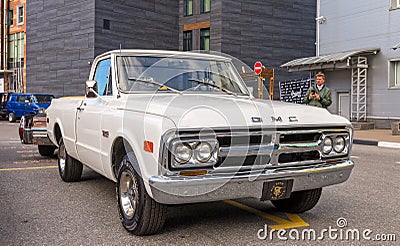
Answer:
(198, 110)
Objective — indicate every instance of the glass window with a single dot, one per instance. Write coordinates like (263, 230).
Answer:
(16, 50)
(187, 7)
(205, 6)
(394, 4)
(147, 74)
(394, 74)
(11, 17)
(103, 78)
(397, 74)
(20, 17)
(187, 40)
(205, 39)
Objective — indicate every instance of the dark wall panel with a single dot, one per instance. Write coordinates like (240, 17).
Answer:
(59, 44)
(272, 32)
(150, 24)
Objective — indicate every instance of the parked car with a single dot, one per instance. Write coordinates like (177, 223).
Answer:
(22, 104)
(33, 130)
(3, 104)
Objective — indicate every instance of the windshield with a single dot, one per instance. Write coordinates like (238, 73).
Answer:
(138, 74)
(43, 98)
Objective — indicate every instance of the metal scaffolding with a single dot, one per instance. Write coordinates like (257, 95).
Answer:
(358, 110)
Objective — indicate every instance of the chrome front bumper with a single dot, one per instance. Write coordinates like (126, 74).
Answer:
(36, 136)
(215, 187)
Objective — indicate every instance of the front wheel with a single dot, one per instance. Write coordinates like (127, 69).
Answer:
(139, 213)
(70, 170)
(299, 201)
(46, 150)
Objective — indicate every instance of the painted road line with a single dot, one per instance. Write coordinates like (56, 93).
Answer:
(293, 219)
(389, 145)
(354, 157)
(27, 168)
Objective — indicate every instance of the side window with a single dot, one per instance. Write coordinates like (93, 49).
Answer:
(21, 99)
(103, 77)
(394, 74)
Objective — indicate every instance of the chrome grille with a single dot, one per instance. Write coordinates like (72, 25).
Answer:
(252, 149)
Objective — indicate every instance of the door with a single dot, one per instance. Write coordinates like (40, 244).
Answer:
(344, 104)
(88, 120)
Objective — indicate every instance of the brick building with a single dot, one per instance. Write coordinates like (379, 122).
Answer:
(63, 36)
(13, 48)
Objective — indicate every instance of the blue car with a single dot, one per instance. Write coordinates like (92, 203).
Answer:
(19, 104)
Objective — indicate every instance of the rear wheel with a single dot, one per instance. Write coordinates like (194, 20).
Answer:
(12, 117)
(70, 170)
(299, 201)
(139, 213)
(46, 150)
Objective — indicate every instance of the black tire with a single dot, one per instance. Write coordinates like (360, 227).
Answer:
(11, 117)
(299, 201)
(139, 213)
(46, 150)
(70, 170)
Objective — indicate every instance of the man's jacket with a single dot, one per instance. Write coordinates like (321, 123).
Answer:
(325, 95)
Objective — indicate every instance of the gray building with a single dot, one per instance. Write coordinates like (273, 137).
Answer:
(359, 53)
(63, 36)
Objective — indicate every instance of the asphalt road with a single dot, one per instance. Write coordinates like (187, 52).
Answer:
(37, 208)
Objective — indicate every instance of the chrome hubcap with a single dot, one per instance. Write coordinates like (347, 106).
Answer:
(129, 195)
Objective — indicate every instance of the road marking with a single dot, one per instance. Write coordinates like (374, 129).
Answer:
(398, 162)
(293, 222)
(26, 168)
(355, 157)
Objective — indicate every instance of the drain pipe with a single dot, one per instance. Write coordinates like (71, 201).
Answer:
(318, 21)
(317, 27)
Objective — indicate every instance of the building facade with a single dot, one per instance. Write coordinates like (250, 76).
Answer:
(359, 45)
(13, 46)
(64, 36)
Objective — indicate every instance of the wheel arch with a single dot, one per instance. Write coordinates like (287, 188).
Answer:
(57, 133)
(120, 148)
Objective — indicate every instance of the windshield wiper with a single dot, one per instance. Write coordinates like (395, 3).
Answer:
(213, 85)
(151, 81)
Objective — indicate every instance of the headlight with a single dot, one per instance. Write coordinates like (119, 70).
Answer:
(327, 145)
(339, 144)
(182, 153)
(203, 152)
(193, 153)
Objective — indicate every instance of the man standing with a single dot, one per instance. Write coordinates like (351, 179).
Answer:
(318, 95)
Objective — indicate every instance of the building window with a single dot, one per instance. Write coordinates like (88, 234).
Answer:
(20, 16)
(187, 40)
(205, 39)
(394, 4)
(205, 6)
(16, 50)
(394, 74)
(11, 17)
(187, 7)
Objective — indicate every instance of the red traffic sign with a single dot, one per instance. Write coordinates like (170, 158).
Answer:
(257, 67)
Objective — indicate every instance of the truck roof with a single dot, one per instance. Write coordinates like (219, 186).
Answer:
(165, 53)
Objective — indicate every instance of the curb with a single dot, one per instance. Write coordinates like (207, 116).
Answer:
(383, 144)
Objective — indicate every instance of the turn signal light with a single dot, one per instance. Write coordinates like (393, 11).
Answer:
(193, 173)
(148, 146)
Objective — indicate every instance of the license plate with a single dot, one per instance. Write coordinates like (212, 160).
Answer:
(277, 189)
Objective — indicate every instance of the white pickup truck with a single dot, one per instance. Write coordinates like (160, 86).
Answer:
(176, 127)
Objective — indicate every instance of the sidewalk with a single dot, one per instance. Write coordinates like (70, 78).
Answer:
(377, 137)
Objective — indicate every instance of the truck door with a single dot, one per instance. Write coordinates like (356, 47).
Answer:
(88, 120)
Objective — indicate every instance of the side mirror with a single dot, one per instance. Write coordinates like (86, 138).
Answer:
(91, 88)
